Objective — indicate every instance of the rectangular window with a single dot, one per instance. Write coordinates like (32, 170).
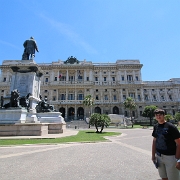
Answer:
(115, 97)
(80, 97)
(71, 97)
(170, 97)
(113, 78)
(129, 78)
(124, 97)
(137, 78)
(105, 97)
(154, 98)
(122, 77)
(97, 98)
(104, 78)
(71, 78)
(87, 78)
(146, 98)
(140, 113)
(55, 78)
(96, 78)
(54, 98)
(80, 77)
(63, 96)
(63, 78)
(4, 80)
(132, 95)
(46, 80)
(96, 90)
(139, 97)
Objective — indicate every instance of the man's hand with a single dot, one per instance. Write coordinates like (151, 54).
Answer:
(178, 165)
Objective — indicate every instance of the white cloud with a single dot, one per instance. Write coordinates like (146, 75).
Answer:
(9, 44)
(67, 31)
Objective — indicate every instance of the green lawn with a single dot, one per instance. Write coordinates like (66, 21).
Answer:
(82, 136)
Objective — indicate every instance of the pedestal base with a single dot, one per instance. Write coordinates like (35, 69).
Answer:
(23, 129)
(13, 115)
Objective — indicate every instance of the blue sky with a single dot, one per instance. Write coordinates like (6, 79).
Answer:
(100, 31)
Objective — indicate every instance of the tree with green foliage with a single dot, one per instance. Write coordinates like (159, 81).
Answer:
(168, 117)
(149, 112)
(177, 116)
(99, 121)
(130, 104)
(88, 101)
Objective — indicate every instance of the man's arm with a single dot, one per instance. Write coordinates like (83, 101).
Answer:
(178, 152)
(154, 149)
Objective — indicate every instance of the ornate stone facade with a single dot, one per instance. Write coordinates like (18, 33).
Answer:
(65, 84)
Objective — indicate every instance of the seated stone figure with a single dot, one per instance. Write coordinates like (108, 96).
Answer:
(43, 106)
(14, 99)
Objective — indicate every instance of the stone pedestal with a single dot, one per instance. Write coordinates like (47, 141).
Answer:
(50, 117)
(13, 115)
(23, 129)
(20, 122)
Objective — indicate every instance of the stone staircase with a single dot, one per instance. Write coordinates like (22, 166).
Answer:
(77, 124)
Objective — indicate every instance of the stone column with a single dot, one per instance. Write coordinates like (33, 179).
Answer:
(100, 77)
(85, 76)
(142, 95)
(158, 95)
(66, 95)
(134, 76)
(52, 76)
(150, 95)
(136, 95)
(119, 76)
(76, 75)
(121, 94)
(66, 113)
(125, 76)
(57, 91)
(109, 80)
(166, 95)
(75, 113)
(67, 76)
(90, 76)
(110, 96)
(127, 95)
(140, 78)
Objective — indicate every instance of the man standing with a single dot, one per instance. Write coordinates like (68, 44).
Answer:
(29, 49)
(166, 147)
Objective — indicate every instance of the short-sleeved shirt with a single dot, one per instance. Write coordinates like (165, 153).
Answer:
(165, 135)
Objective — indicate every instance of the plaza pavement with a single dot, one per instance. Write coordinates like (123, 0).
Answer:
(124, 157)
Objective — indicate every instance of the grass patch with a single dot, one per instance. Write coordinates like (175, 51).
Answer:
(82, 136)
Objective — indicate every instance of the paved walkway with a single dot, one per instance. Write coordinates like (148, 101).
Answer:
(125, 157)
(67, 132)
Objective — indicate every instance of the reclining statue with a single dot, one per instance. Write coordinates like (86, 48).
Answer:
(43, 106)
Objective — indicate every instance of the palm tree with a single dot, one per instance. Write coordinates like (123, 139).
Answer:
(130, 104)
(89, 101)
(99, 120)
